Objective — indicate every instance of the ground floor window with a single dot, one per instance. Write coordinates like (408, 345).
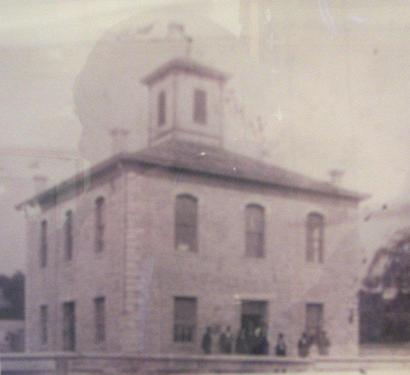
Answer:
(43, 324)
(69, 326)
(185, 315)
(314, 319)
(99, 318)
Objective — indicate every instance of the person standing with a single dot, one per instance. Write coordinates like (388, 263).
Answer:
(228, 340)
(241, 344)
(303, 345)
(264, 344)
(255, 337)
(323, 343)
(222, 342)
(280, 348)
(207, 341)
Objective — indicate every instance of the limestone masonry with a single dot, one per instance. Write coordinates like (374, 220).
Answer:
(145, 250)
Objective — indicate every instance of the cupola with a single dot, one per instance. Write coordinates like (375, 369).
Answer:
(185, 102)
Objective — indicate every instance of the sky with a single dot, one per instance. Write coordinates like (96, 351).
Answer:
(44, 44)
(341, 68)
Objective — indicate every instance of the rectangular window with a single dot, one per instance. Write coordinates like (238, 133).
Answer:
(255, 231)
(314, 319)
(43, 324)
(200, 106)
(315, 226)
(69, 326)
(184, 319)
(99, 224)
(99, 317)
(162, 108)
(43, 244)
(68, 236)
(186, 223)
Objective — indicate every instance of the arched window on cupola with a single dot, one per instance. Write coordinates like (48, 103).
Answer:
(162, 108)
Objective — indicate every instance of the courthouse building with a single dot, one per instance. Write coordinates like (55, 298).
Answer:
(145, 250)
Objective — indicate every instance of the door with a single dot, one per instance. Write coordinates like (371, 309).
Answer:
(253, 315)
(69, 326)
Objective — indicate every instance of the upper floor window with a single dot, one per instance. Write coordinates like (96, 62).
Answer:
(68, 235)
(315, 226)
(99, 224)
(255, 230)
(200, 107)
(99, 318)
(184, 319)
(43, 244)
(162, 108)
(186, 217)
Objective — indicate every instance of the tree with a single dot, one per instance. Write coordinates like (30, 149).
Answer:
(13, 292)
(389, 271)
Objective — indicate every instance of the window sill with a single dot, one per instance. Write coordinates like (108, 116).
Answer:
(184, 344)
(314, 264)
(264, 257)
(183, 252)
(101, 346)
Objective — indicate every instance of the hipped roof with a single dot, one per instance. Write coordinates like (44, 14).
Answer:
(182, 156)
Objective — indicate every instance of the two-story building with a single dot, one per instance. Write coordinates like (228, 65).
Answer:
(145, 250)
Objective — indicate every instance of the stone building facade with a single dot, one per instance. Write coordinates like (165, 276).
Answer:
(145, 250)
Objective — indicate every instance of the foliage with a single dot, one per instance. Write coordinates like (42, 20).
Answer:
(13, 292)
(390, 267)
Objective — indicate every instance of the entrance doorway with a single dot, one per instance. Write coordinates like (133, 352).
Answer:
(69, 326)
(253, 315)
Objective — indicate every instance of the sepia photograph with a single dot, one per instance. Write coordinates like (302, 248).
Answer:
(204, 187)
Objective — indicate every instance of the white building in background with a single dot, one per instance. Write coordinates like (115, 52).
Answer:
(23, 171)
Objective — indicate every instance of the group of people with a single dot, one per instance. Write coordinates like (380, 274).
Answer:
(252, 341)
(247, 341)
(225, 342)
(255, 341)
(309, 343)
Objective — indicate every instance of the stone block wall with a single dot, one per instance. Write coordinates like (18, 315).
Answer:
(219, 275)
(140, 272)
(86, 276)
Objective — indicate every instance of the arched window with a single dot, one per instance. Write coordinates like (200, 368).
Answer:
(162, 108)
(99, 224)
(255, 230)
(68, 235)
(186, 223)
(315, 227)
(43, 243)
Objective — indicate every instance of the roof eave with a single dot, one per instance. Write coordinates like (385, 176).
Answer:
(341, 193)
(72, 181)
(184, 65)
(129, 157)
